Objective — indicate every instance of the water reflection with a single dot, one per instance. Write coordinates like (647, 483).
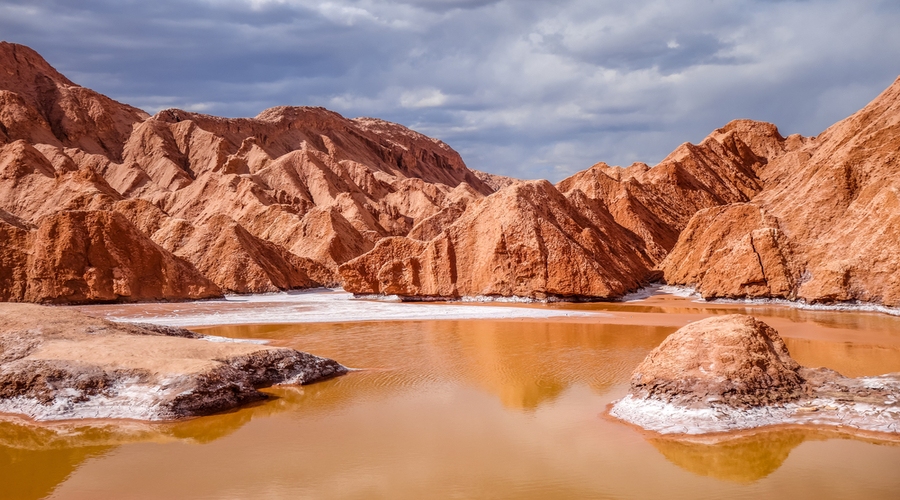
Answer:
(31, 474)
(446, 409)
(885, 327)
(850, 359)
(523, 363)
(745, 458)
(36, 457)
(742, 460)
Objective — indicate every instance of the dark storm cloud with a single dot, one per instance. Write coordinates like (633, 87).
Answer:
(523, 88)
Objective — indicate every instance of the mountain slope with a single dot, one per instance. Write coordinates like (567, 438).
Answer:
(301, 197)
(832, 209)
(254, 204)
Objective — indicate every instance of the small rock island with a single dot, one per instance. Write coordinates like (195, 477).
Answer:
(734, 372)
(60, 364)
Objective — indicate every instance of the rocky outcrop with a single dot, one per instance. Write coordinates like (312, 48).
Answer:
(496, 182)
(91, 256)
(657, 203)
(831, 212)
(734, 251)
(734, 372)
(735, 360)
(237, 261)
(33, 187)
(58, 364)
(747, 213)
(315, 184)
(526, 240)
(42, 106)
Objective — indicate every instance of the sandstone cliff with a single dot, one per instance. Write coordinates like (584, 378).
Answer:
(826, 226)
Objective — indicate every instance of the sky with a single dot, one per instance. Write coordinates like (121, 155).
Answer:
(528, 89)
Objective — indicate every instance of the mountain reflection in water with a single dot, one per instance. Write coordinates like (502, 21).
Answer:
(462, 408)
(745, 458)
(522, 363)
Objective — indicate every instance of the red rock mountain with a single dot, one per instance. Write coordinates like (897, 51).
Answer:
(826, 226)
(595, 235)
(234, 205)
(300, 197)
(526, 240)
(746, 213)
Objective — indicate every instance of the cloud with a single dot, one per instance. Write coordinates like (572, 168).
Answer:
(422, 98)
(520, 87)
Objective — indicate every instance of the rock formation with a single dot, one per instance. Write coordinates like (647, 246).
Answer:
(657, 203)
(736, 360)
(252, 204)
(526, 240)
(41, 106)
(747, 213)
(58, 364)
(825, 227)
(733, 251)
(595, 235)
(91, 256)
(734, 372)
(303, 197)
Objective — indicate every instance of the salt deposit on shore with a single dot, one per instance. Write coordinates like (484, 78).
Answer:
(319, 306)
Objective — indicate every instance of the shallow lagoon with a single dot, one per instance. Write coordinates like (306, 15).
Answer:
(470, 408)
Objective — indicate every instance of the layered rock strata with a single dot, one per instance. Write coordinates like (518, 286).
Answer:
(58, 364)
(734, 372)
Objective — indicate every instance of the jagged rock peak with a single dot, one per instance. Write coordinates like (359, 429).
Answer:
(78, 117)
(22, 65)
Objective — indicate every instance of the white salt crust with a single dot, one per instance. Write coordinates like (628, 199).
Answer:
(667, 418)
(690, 292)
(129, 399)
(313, 307)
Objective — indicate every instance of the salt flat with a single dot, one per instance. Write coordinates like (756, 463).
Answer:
(319, 306)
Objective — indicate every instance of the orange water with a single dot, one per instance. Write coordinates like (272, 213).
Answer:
(470, 409)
